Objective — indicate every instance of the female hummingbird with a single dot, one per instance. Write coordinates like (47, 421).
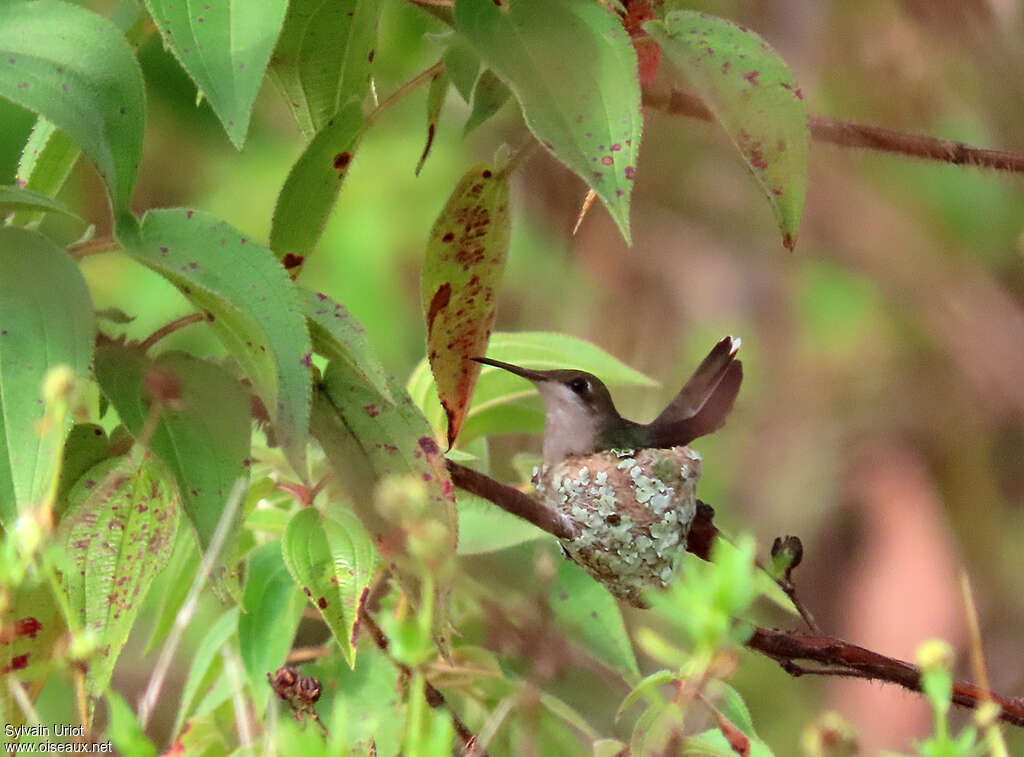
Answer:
(630, 487)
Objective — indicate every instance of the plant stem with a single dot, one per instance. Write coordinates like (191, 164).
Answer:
(849, 134)
(399, 94)
(170, 328)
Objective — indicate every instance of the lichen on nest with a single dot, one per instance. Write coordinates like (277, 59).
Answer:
(633, 509)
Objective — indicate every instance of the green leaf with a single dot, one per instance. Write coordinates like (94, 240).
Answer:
(273, 608)
(225, 48)
(435, 101)
(731, 704)
(752, 93)
(205, 665)
(251, 305)
(13, 198)
(591, 615)
(76, 69)
(45, 164)
(645, 688)
(571, 65)
(45, 321)
(485, 527)
(174, 583)
(204, 441)
(86, 445)
(323, 57)
(365, 439)
(462, 65)
(712, 743)
(462, 270)
(489, 94)
(124, 730)
(312, 186)
(118, 535)
(339, 336)
(498, 401)
(333, 559)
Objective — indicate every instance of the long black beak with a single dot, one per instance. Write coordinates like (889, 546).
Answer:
(526, 373)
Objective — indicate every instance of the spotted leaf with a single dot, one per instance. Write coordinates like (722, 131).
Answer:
(76, 69)
(464, 264)
(250, 302)
(202, 438)
(332, 559)
(118, 535)
(573, 69)
(752, 93)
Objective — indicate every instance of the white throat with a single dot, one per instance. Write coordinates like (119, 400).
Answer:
(570, 426)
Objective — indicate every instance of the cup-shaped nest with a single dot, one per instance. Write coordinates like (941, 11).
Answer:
(633, 509)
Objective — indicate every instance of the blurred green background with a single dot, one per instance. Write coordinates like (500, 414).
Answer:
(882, 417)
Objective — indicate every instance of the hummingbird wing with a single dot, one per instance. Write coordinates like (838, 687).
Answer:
(710, 417)
(702, 384)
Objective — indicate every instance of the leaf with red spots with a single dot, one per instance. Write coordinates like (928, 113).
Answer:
(338, 335)
(363, 447)
(118, 534)
(253, 306)
(312, 186)
(573, 69)
(225, 49)
(76, 69)
(464, 264)
(435, 101)
(203, 440)
(332, 558)
(31, 625)
(46, 320)
(323, 57)
(752, 93)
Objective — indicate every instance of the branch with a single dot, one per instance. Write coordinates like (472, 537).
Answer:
(844, 659)
(835, 656)
(513, 501)
(849, 134)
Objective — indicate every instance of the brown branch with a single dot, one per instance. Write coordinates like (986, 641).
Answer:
(434, 697)
(849, 134)
(169, 328)
(840, 658)
(512, 500)
(834, 657)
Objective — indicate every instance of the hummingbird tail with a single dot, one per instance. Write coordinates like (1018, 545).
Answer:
(710, 417)
(702, 384)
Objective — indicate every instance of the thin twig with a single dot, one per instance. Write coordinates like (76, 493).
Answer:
(188, 608)
(850, 134)
(170, 328)
(434, 697)
(399, 94)
(93, 247)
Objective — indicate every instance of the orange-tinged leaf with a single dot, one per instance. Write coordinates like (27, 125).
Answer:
(464, 264)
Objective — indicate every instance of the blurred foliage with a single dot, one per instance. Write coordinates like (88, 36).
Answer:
(882, 414)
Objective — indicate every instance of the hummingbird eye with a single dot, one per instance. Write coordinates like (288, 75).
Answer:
(580, 385)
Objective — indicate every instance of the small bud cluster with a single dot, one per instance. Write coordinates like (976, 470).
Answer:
(633, 508)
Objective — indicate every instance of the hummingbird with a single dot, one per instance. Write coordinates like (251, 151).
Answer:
(629, 487)
(580, 417)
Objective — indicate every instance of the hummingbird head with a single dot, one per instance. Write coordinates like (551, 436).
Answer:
(577, 408)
